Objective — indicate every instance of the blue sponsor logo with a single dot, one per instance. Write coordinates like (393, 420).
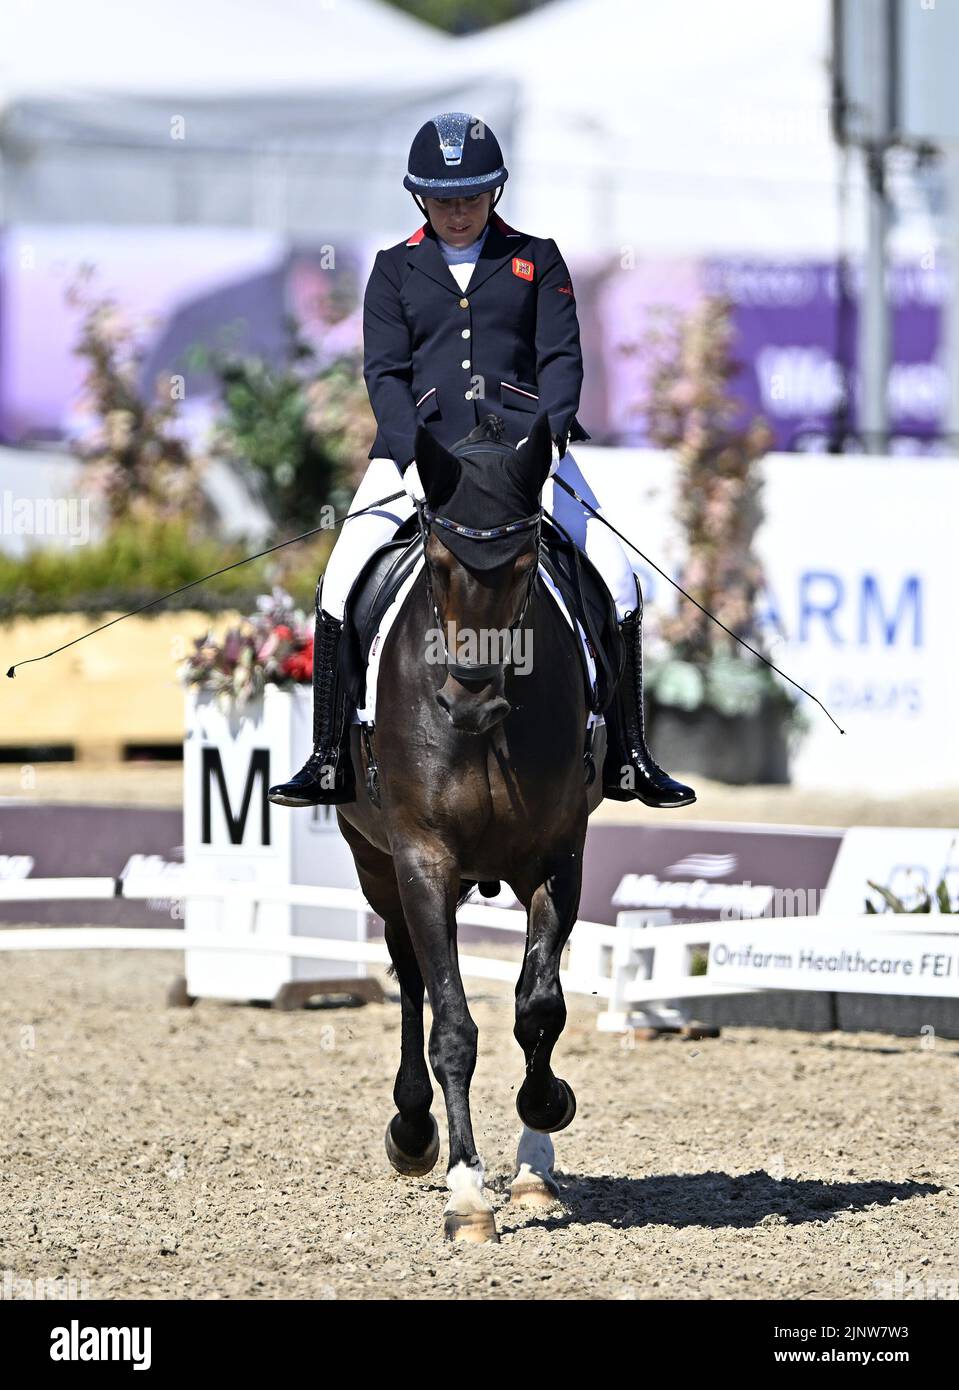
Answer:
(865, 612)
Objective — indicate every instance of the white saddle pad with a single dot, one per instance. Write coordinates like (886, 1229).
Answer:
(367, 714)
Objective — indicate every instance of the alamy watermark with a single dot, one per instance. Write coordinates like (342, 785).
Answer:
(903, 1285)
(81, 1343)
(485, 646)
(728, 901)
(57, 1287)
(63, 518)
(765, 900)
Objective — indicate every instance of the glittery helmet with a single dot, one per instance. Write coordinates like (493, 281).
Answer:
(454, 156)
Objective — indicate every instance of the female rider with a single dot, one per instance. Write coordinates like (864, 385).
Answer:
(469, 318)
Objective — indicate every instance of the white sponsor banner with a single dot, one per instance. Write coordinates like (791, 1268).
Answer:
(861, 600)
(840, 955)
(909, 862)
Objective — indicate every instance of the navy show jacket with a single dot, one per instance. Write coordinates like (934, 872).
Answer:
(508, 345)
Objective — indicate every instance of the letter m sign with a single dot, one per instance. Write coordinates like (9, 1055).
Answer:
(258, 771)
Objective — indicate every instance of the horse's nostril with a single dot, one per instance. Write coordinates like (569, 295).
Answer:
(496, 711)
(444, 701)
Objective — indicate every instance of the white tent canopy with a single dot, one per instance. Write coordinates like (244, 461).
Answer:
(294, 114)
(206, 49)
(670, 129)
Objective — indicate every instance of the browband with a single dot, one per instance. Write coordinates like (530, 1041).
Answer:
(526, 523)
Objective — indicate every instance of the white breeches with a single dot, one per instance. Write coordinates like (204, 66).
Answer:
(359, 538)
(589, 533)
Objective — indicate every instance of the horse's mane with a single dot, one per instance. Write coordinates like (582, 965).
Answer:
(490, 427)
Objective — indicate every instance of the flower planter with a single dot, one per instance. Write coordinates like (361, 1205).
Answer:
(738, 749)
(231, 831)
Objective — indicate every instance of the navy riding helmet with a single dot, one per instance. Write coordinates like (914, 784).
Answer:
(454, 156)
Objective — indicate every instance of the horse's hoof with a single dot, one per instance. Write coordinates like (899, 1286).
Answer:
(535, 1194)
(565, 1119)
(471, 1228)
(409, 1166)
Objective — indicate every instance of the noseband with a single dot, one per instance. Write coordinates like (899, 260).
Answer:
(476, 670)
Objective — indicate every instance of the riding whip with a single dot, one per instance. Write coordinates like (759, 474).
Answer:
(742, 642)
(194, 582)
(372, 507)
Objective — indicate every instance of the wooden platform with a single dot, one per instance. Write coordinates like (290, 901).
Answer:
(105, 699)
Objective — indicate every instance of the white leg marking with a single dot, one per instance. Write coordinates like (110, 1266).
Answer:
(535, 1153)
(534, 1169)
(465, 1182)
(468, 1216)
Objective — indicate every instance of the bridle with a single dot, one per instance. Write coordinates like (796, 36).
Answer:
(477, 670)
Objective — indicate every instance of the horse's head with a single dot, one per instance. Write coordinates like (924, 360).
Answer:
(483, 513)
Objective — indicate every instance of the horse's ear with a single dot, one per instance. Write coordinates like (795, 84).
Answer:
(536, 454)
(439, 470)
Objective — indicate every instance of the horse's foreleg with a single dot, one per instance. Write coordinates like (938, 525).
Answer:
(429, 884)
(545, 1103)
(412, 1139)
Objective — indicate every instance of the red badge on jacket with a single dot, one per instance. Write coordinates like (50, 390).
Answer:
(524, 269)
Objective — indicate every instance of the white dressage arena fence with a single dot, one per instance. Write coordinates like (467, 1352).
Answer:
(654, 970)
(646, 970)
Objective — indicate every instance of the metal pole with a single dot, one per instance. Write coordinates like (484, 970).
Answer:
(950, 324)
(874, 327)
(874, 320)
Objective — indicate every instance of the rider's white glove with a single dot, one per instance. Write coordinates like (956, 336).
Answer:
(411, 481)
(556, 458)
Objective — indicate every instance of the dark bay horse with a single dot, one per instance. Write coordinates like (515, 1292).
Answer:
(481, 778)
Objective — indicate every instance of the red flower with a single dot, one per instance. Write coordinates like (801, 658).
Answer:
(299, 665)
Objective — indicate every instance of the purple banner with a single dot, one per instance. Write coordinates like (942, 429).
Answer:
(795, 331)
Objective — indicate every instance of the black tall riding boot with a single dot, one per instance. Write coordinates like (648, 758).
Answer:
(629, 769)
(327, 777)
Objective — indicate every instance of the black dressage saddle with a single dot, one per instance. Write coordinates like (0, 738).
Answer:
(576, 577)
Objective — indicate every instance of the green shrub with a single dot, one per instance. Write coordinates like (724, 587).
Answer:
(141, 561)
(300, 430)
(699, 963)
